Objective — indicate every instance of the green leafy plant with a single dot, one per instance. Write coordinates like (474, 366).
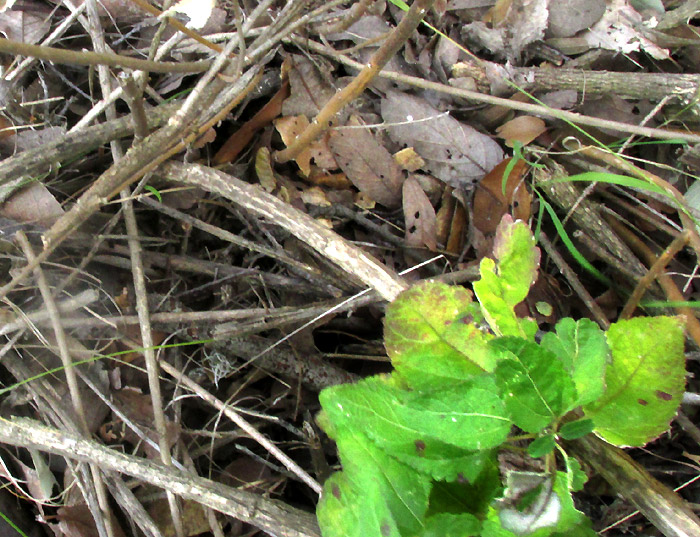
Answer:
(419, 448)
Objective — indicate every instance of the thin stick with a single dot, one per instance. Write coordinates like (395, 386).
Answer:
(103, 518)
(665, 281)
(654, 272)
(575, 283)
(268, 515)
(389, 48)
(236, 418)
(72, 57)
(564, 115)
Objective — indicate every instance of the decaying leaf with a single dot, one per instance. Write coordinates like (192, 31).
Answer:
(28, 24)
(264, 171)
(419, 216)
(617, 31)
(454, 152)
(516, 24)
(451, 223)
(33, 204)
(409, 160)
(568, 17)
(309, 87)
(490, 203)
(114, 9)
(369, 166)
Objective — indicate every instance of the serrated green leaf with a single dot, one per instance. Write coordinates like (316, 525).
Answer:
(534, 384)
(575, 477)
(582, 348)
(541, 446)
(375, 495)
(434, 432)
(645, 381)
(576, 429)
(433, 334)
(572, 522)
(506, 281)
(452, 525)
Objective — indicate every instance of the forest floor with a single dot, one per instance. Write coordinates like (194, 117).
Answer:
(209, 210)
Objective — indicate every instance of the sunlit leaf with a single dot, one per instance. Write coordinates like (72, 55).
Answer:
(645, 381)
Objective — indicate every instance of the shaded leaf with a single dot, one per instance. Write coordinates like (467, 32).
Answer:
(582, 348)
(523, 129)
(576, 429)
(309, 87)
(490, 201)
(513, 27)
(535, 386)
(541, 446)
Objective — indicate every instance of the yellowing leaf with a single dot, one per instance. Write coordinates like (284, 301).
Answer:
(645, 381)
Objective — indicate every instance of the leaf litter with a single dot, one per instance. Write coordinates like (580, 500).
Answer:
(403, 173)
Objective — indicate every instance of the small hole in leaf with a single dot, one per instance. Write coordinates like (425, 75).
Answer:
(412, 229)
(416, 215)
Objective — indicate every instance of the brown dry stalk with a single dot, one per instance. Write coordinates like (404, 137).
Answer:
(682, 207)
(665, 281)
(391, 46)
(654, 272)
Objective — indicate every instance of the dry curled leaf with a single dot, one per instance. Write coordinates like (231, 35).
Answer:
(490, 202)
(454, 152)
(451, 223)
